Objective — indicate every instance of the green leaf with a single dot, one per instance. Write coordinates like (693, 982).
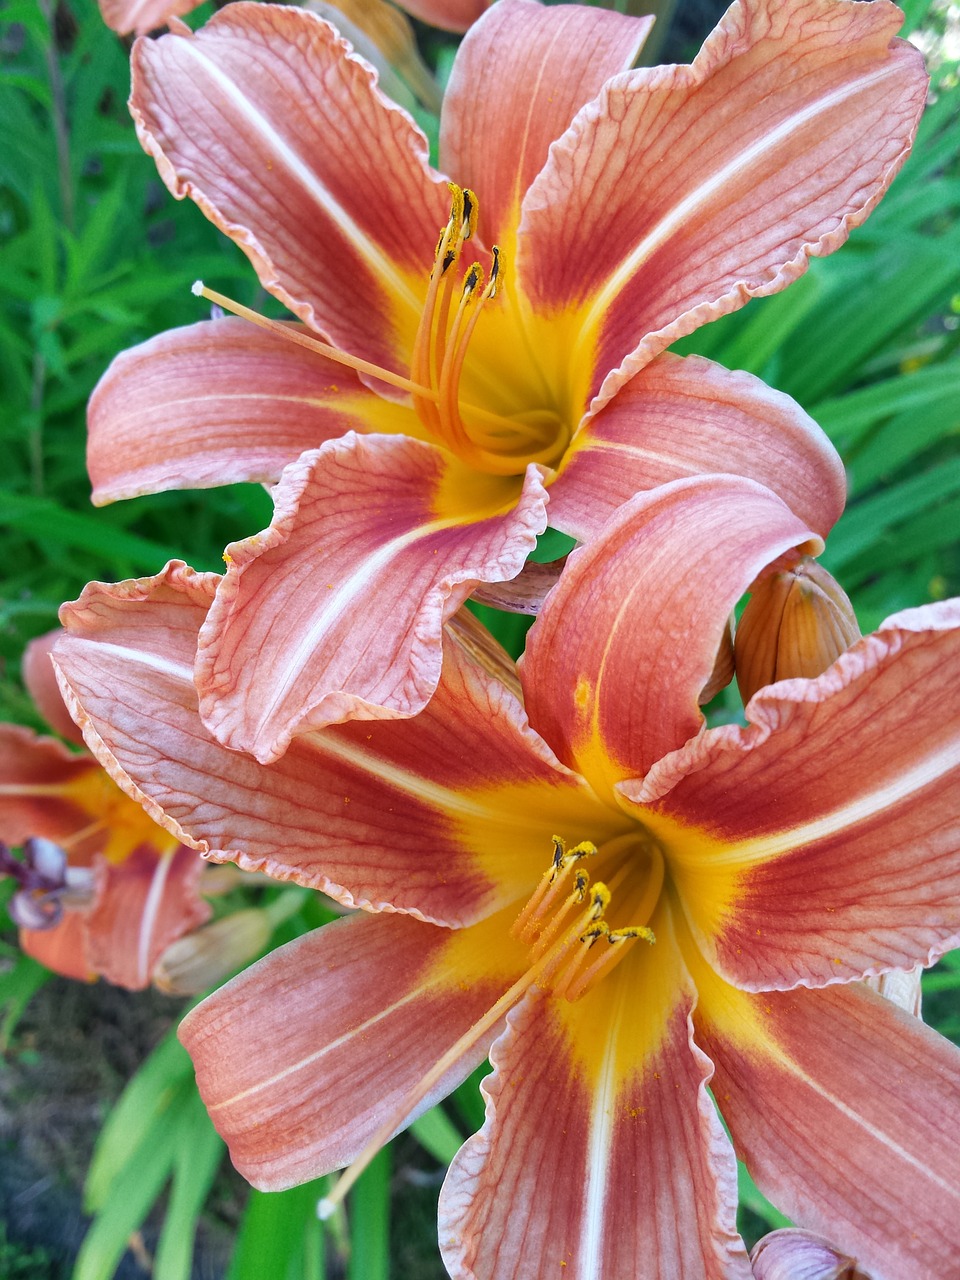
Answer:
(138, 1184)
(369, 1208)
(48, 522)
(752, 1198)
(18, 986)
(468, 1099)
(870, 525)
(145, 1102)
(933, 390)
(280, 1236)
(197, 1159)
(871, 300)
(437, 1133)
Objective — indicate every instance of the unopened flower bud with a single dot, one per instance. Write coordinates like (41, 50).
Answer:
(204, 958)
(902, 989)
(722, 672)
(797, 623)
(794, 1254)
(384, 36)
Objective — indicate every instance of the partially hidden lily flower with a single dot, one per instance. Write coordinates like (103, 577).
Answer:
(142, 16)
(449, 15)
(104, 891)
(597, 215)
(623, 907)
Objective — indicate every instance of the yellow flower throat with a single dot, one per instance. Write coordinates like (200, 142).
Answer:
(487, 440)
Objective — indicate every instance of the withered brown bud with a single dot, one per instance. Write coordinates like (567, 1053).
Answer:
(204, 958)
(797, 623)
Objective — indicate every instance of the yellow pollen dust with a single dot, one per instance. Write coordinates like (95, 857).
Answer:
(571, 945)
(486, 440)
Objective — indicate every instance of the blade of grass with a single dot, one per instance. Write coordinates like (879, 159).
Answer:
(137, 1187)
(146, 1099)
(437, 1133)
(369, 1222)
(47, 521)
(197, 1159)
(279, 1233)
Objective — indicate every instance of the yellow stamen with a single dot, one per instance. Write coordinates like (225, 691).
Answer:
(541, 901)
(544, 923)
(485, 440)
(424, 1087)
(563, 962)
(200, 290)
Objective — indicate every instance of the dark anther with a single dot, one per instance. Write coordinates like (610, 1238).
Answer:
(42, 877)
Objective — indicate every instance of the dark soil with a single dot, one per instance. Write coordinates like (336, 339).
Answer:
(74, 1050)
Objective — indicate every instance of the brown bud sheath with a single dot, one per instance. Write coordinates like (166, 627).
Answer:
(204, 958)
(797, 623)
(723, 668)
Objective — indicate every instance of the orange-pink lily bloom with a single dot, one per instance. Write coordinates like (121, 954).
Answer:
(142, 16)
(600, 214)
(630, 907)
(110, 889)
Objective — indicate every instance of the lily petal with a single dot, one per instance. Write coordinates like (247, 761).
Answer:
(335, 612)
(42, 686)
(252, 118)
(842, 862)
(41, 787)
(289, 1055)
(682, 417)
(448, 15)
(689, 189)
(62, 949)
(141, 16)
(140, 906)
(526, 592)
(599, 1140)
(845, 1109)
(219, 402)
(385, 815)
(652, 594)
(546, 63)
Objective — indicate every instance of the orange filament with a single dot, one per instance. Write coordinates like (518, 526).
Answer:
(485, 440)
(562, 940)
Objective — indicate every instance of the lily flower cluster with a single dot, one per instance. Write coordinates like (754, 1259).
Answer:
(102, 890)
(645, 922)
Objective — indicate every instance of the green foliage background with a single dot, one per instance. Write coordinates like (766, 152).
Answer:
(95, 256)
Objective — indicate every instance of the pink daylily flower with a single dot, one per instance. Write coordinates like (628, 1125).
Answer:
(143, 16)
(778, 865)
(449, 15)
(627, 208)
(140, 16)
(108, 889)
